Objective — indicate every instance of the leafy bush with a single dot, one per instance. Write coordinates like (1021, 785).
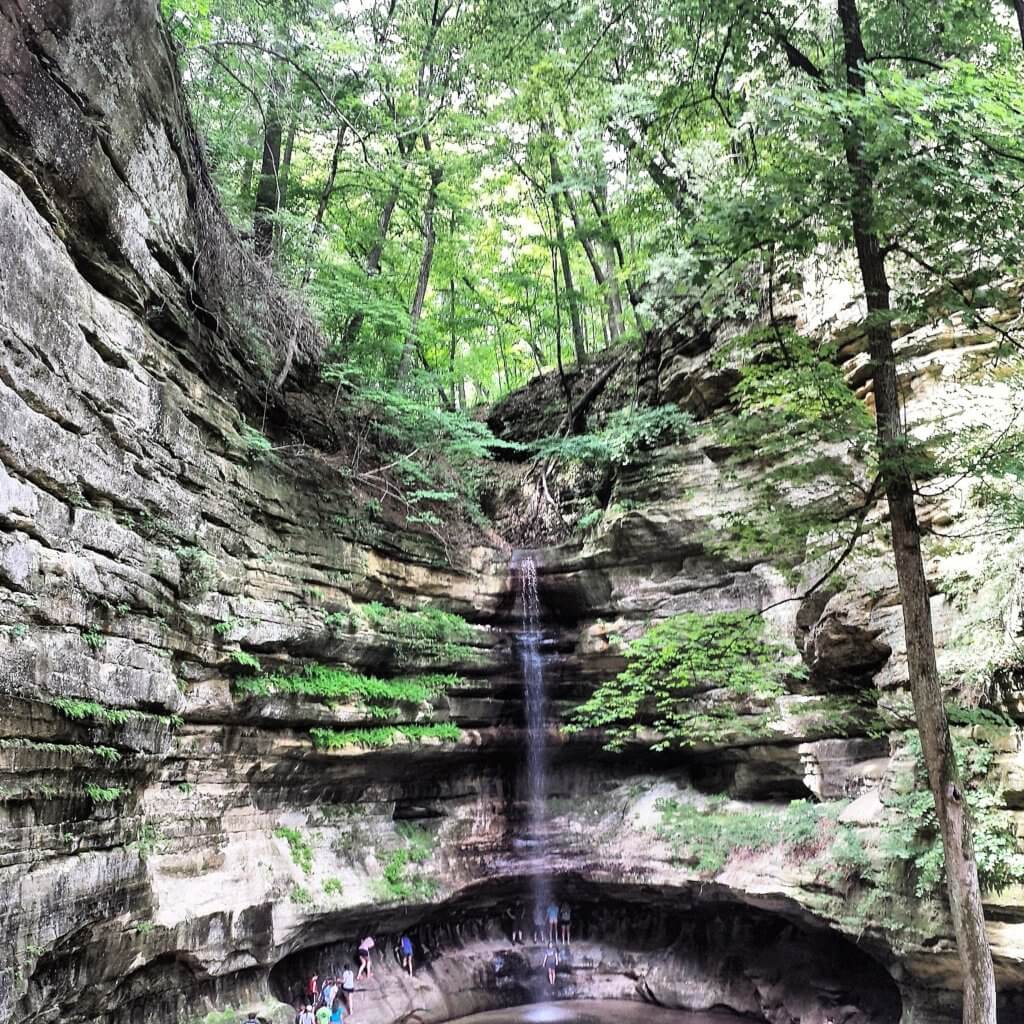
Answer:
(708, 836)
(911, 836)
(79, 709)
(672, 665)
(94, 640)
(253, 442)
(197, 572)
(246, 660)
(301, 851)
(385, 736)
(148, 840)
(103, 794)
(332, 683)
(333, 886)
(626, 434)
(427, 634)
(436, 459)
(301, 895)
(401, 878)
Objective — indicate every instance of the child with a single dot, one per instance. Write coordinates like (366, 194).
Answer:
(406, 946)
(551, 963)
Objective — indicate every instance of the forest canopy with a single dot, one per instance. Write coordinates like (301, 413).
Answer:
(473, 192)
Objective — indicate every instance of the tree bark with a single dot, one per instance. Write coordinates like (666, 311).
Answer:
(1018, 6)
(426, 261)
(953, 815)
(604, 276)
(376, 253)
(248, 169)
(268, 193)
(286, 166)
(563, 252)
(321, 208)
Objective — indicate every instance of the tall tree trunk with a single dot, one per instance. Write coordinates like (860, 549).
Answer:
(321, 208)
(248, 169)
(604, 277)
(286, 166)
(1018, 6)
(562, 380)
(570, 290)
(953, 815)
(426, 261)
(376, 253)
(268, 193)
(453, 344)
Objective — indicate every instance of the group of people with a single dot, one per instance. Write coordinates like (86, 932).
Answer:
(331, 1002)
(551, 924)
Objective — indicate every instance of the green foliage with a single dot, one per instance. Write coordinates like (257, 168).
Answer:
(108, 754)
(625, 436)
(301, 851)
(143, 928)
(682, 677)
(402, 877)
(246, 660)
(911, 836)
(707, 837)
(197, 572)
(301, 895)
(333, 887)
(103, 794)
(148, 840)
(333, 683)
(796, 436)
(94, 640)
(385, 736)
(423, 635)
(78, 709)
(226, 626)
(253, 442)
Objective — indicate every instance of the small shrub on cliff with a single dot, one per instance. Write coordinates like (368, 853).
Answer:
(427, 634)
(707, 837)
(402, 878)
(911, 838)
(673, 672)
(301, 851)
(197, 572)
(385, 736)
(335, 683)
(626, 435)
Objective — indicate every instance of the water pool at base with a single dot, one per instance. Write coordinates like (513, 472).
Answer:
(584, 1011)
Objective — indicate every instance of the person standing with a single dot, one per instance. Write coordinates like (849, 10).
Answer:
(348, 986)
(328, 992)
(313, 989)
(551, 962)
(337, 1012)
(323, 1015)
(538, 924)
(364, 957)
(405, 944)
(552, 919)
(565, 921)
(306, 1017)
(518, 917)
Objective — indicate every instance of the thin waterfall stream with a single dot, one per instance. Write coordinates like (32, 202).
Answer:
(531, 655)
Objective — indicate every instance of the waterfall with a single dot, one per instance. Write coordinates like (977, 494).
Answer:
(531, 656)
